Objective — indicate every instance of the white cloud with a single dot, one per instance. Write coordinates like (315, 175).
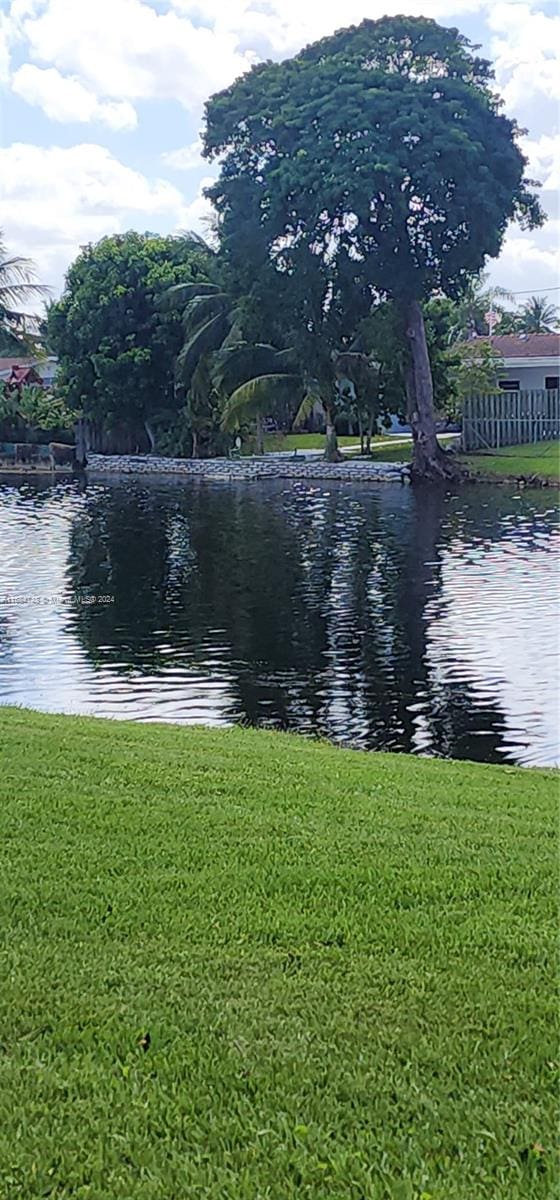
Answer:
(54, 199)
(279, 27)
(199, 214)
(526, 49)
(544, 160)
(125, 50)
(529, 261)
(186, 158)
(5, 37)
(66, 99)
(95, 62)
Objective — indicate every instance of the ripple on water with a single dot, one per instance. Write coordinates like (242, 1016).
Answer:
(362, 613)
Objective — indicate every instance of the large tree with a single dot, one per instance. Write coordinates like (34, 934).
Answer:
(376, 162)
(116, 346)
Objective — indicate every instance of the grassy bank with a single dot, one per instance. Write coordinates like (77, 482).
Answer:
(540, 461)
(344, 963)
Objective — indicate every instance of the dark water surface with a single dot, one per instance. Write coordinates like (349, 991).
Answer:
(371, 615)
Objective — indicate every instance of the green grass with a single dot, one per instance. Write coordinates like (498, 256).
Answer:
(344, 963)
(512, 462)
(387, 452)
(302, 441)
(541, 460)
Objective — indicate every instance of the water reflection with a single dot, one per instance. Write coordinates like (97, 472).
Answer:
(375, 616)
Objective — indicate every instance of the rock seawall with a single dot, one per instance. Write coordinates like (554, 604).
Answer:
(281, 467)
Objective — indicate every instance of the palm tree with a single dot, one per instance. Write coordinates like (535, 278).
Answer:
(218, 369)
(18, 289)
(207, 322)
(538, 316)
(254, 378)
(469, 314)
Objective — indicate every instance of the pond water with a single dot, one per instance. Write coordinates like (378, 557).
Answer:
(373, 615)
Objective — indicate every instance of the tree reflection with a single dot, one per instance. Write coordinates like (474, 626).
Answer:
(315, 601)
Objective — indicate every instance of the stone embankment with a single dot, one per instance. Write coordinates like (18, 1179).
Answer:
(273, 467)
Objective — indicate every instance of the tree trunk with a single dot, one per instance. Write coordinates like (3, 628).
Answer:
(151, 437)
(194, 436)
(361, 432)
(429, 462)
(81, 444)
(370, 433)
(332, 453)
(259, 434)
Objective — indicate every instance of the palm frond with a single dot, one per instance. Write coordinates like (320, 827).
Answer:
(235, 335)
(253, 397)
(196, 239)
(234, 365)
(18, 287)
(287, 356)
(205, 339)
(201, 308)
(312, 396)
(180, 293)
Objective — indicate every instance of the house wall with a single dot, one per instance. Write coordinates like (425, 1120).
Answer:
(530, 378)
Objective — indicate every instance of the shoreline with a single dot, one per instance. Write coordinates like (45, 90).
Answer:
(256, 469)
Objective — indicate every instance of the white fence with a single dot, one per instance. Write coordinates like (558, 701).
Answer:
(510, 419)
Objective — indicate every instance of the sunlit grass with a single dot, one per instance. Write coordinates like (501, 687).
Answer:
(302, 441)
(239, 964)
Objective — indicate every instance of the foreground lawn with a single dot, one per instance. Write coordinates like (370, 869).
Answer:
(242, 966)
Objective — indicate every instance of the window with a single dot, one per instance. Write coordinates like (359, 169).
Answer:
(551, 383)
(509, 385)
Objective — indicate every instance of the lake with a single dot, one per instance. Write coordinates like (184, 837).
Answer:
(377, 616)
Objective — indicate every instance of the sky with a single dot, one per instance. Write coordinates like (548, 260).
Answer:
(101, 106)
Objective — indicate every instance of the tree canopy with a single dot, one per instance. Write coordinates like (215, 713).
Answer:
(375, 164)
(116, 347)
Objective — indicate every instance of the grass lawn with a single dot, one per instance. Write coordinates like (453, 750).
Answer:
(302, 441)
(541, 459)
(344, 963)
(386, 451)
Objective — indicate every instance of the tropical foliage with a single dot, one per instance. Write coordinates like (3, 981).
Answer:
(30, 411)
(116, 347)
(19, 291)
(356, 205)
(538, 316)
(477, 368)
(360, 169)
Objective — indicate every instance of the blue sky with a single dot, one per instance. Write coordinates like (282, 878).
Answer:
(102, 100)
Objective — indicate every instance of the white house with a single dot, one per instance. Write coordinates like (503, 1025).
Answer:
(531, 361)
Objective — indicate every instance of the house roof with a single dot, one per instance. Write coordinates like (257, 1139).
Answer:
(22, 374)
(43, 366)
(528, 345)
(6, 364)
